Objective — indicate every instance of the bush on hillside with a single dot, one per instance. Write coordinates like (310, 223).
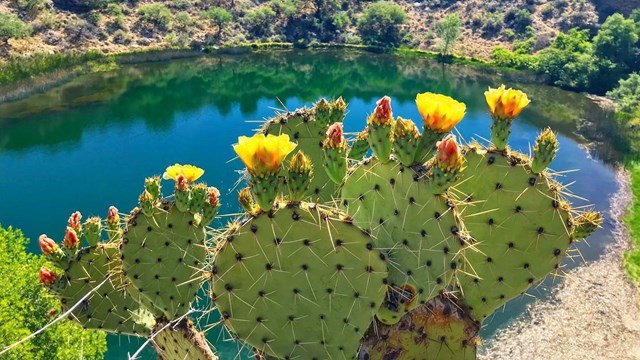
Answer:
(380, 24)
(12, 27)
(156, 14)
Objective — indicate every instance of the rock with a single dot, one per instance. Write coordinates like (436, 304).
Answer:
(51, 38)
(144, 42)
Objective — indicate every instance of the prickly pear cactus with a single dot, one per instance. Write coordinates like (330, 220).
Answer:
(298, 282)
(181, 341)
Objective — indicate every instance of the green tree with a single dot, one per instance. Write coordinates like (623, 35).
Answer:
(12, 27)
(218, 16)
(627, 94)
(380, 24)
(25, 307)
(260, 20)
(157, 14)
(448, 29)
(616, 41)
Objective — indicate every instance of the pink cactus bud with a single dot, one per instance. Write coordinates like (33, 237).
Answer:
(74, 221)
(112, 215)
(47, 277)
(181, 183)
(449, 155)
(383, 108)
(214, 196)
(47, 245)
(335, 136)
(70, 238)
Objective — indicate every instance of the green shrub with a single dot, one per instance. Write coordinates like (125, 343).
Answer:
(341, 20)
(547, 11)
(448, 29)
(260, 20)
(617, 41)
(46, 20)
(12, 27)
(521, 19)
(180, 4)
(218, 16)
(93, 17)
(627, 94)
(32, 6)
(184, 21)
(380, 24)
(156, 14)
(509, 34)
(38, 64)
(25, 306)
(505, 58)
(114, 9)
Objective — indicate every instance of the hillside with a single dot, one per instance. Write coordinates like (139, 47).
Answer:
(109, 25)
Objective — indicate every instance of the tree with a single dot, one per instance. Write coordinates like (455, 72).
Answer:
(380, 24)
(25, 307)
(448, 30)
(616, 41)
(218, 16)
(627, 94)
(260, 20)
(12, 27)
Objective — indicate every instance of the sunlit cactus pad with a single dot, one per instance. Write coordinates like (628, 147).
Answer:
(299, 283)
(164, 257)
(303, 129)
(110, 307)
(415, 229)
(520, 222)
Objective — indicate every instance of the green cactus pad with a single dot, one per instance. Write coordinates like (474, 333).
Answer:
(438, 330)
(298, 282)
(181, 341)
(110, 307)
(417, 230)
(164, 257)
(308, 134)
(520, 223)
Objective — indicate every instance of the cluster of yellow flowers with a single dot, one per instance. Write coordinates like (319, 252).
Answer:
(264, 155)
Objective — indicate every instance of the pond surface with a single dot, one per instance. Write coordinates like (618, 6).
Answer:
(89, 144)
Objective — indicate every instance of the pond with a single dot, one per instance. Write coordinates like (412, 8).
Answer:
(89, 143)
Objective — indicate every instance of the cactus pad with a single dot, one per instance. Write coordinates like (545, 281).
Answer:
(416, 230)
(110, 307)
(164, 257)
(521, 225)
(298, 282)
(181, 341)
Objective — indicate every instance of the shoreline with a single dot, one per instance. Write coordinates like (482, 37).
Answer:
(598, 298)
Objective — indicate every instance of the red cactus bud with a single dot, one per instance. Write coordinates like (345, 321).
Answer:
(70, 238)
(47, 245)
(335, 136)
(74, 221)
(214, 196)
(112, 215)
(383, 108)
(47, 277)
(449, 155)
(181, 183)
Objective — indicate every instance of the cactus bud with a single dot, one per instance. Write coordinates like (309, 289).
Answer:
(335, 153)
(199, 195)
(323, 112)
(338, 109)
(146, 203)
(245, 198)
(586, 223)
(211, 205)
(71, 240)
(113, 223)
(360, 145)
(47, 245)
(448, 164)
(152, 185)
(93, 230)
(381, 129)
(545, 151)
(406, 139)
(182, 193)
(299, 175)
(47, 277)
(74, 222)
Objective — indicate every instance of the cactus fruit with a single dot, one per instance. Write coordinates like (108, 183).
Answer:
(298, 282)
(93, 230)
(359, 146)
(180, 341)
(544, 151)
(438, 330)
(110, 307)
(380, 125)
(335, 150)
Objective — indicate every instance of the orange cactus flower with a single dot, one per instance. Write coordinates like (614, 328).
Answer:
(189, 172)
(263, 155)
(383, 114)
(47, 245)
(506, 104)
(71, 239)
(440, 112)
(74, 221)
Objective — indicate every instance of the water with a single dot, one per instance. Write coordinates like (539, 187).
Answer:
(90, 143)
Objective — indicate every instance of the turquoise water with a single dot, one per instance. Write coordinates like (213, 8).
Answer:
(90, 143)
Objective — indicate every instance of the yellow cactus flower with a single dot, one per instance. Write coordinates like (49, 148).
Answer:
(263, 155)
(189, 172)
(506, 104)
(440, 112)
